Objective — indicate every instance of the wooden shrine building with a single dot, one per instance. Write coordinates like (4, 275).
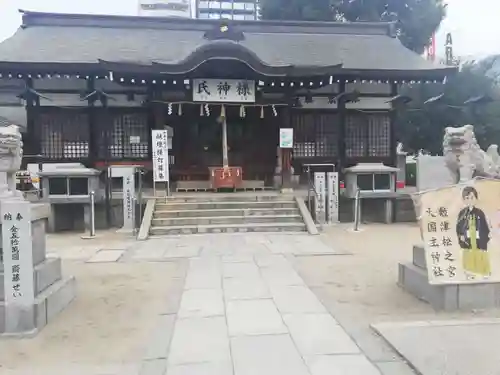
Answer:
(95, 86)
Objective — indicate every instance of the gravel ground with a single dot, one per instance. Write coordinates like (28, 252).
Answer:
(113, 316)
(364, 280)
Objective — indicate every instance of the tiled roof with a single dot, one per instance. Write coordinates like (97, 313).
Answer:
(87, 39)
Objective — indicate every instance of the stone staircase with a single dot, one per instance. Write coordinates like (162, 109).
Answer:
(226, 213)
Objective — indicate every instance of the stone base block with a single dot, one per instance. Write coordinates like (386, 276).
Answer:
(414, 280)
(47, 305)
(44, 275)
(450, 297)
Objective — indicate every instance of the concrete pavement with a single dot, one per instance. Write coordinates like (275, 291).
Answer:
(244, 310)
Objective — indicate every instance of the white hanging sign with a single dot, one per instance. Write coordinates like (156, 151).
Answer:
(332, 196)
(286, 138)
(224, 90)
(319, 199)
(17, 256)
(160, 155)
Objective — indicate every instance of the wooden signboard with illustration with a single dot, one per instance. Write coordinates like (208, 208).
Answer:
(461, 232)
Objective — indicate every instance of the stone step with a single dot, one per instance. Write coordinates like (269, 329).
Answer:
(228, 228)
(224, 198)
(247, 212)
(232, 219)
(44, 275)
(178, 206)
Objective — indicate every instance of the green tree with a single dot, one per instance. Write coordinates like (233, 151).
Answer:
(416, 20)
(422, 125)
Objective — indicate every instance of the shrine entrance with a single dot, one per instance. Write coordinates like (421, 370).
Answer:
(252, 140)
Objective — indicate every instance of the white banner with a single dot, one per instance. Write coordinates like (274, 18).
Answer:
(17, 255)
(332, 196)
(160, 155)
(223, 90)
(319, 199)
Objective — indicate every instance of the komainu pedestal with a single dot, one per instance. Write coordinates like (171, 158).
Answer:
(32, 289)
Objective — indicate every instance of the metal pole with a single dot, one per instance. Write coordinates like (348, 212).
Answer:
(139, 194)
(40, 170)
(92, 214)
(134, 204)
(309, 188)
(357, 210)
(322, 213)
(109, 196)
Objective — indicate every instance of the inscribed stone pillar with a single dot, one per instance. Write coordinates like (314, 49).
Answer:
(19, 294)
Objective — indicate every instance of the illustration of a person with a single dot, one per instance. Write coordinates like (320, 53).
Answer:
(473, 232)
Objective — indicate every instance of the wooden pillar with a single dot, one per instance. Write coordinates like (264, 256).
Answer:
(150, 95)
(32, 136)
(92, 122)
(159, 116)
(286, 154)
(393, 127)
(341, 145)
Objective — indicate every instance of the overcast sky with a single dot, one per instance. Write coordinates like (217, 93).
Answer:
(473, 24)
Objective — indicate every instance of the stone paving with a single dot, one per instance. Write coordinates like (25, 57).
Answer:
(447, 347)
(244, 310)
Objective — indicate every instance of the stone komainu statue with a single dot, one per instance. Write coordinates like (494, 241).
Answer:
(465, 159)
(11, 154)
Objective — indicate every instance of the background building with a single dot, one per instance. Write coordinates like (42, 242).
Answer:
(230, 9)
(165, 8)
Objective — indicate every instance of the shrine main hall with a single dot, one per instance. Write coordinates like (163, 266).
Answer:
(91, 88)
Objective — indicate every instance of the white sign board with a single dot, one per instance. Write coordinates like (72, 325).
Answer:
(17, 258)
(224, 90)
(319, 199)
(332, 196)
(160, 155)
(128, 200)
(286, 138)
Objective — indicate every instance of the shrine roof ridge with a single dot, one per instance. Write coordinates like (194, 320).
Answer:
(33, 19)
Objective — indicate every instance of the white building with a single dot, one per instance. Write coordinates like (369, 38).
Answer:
(165, 8)
(229, 9)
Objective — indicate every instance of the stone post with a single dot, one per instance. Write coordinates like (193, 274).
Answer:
(32, 290)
